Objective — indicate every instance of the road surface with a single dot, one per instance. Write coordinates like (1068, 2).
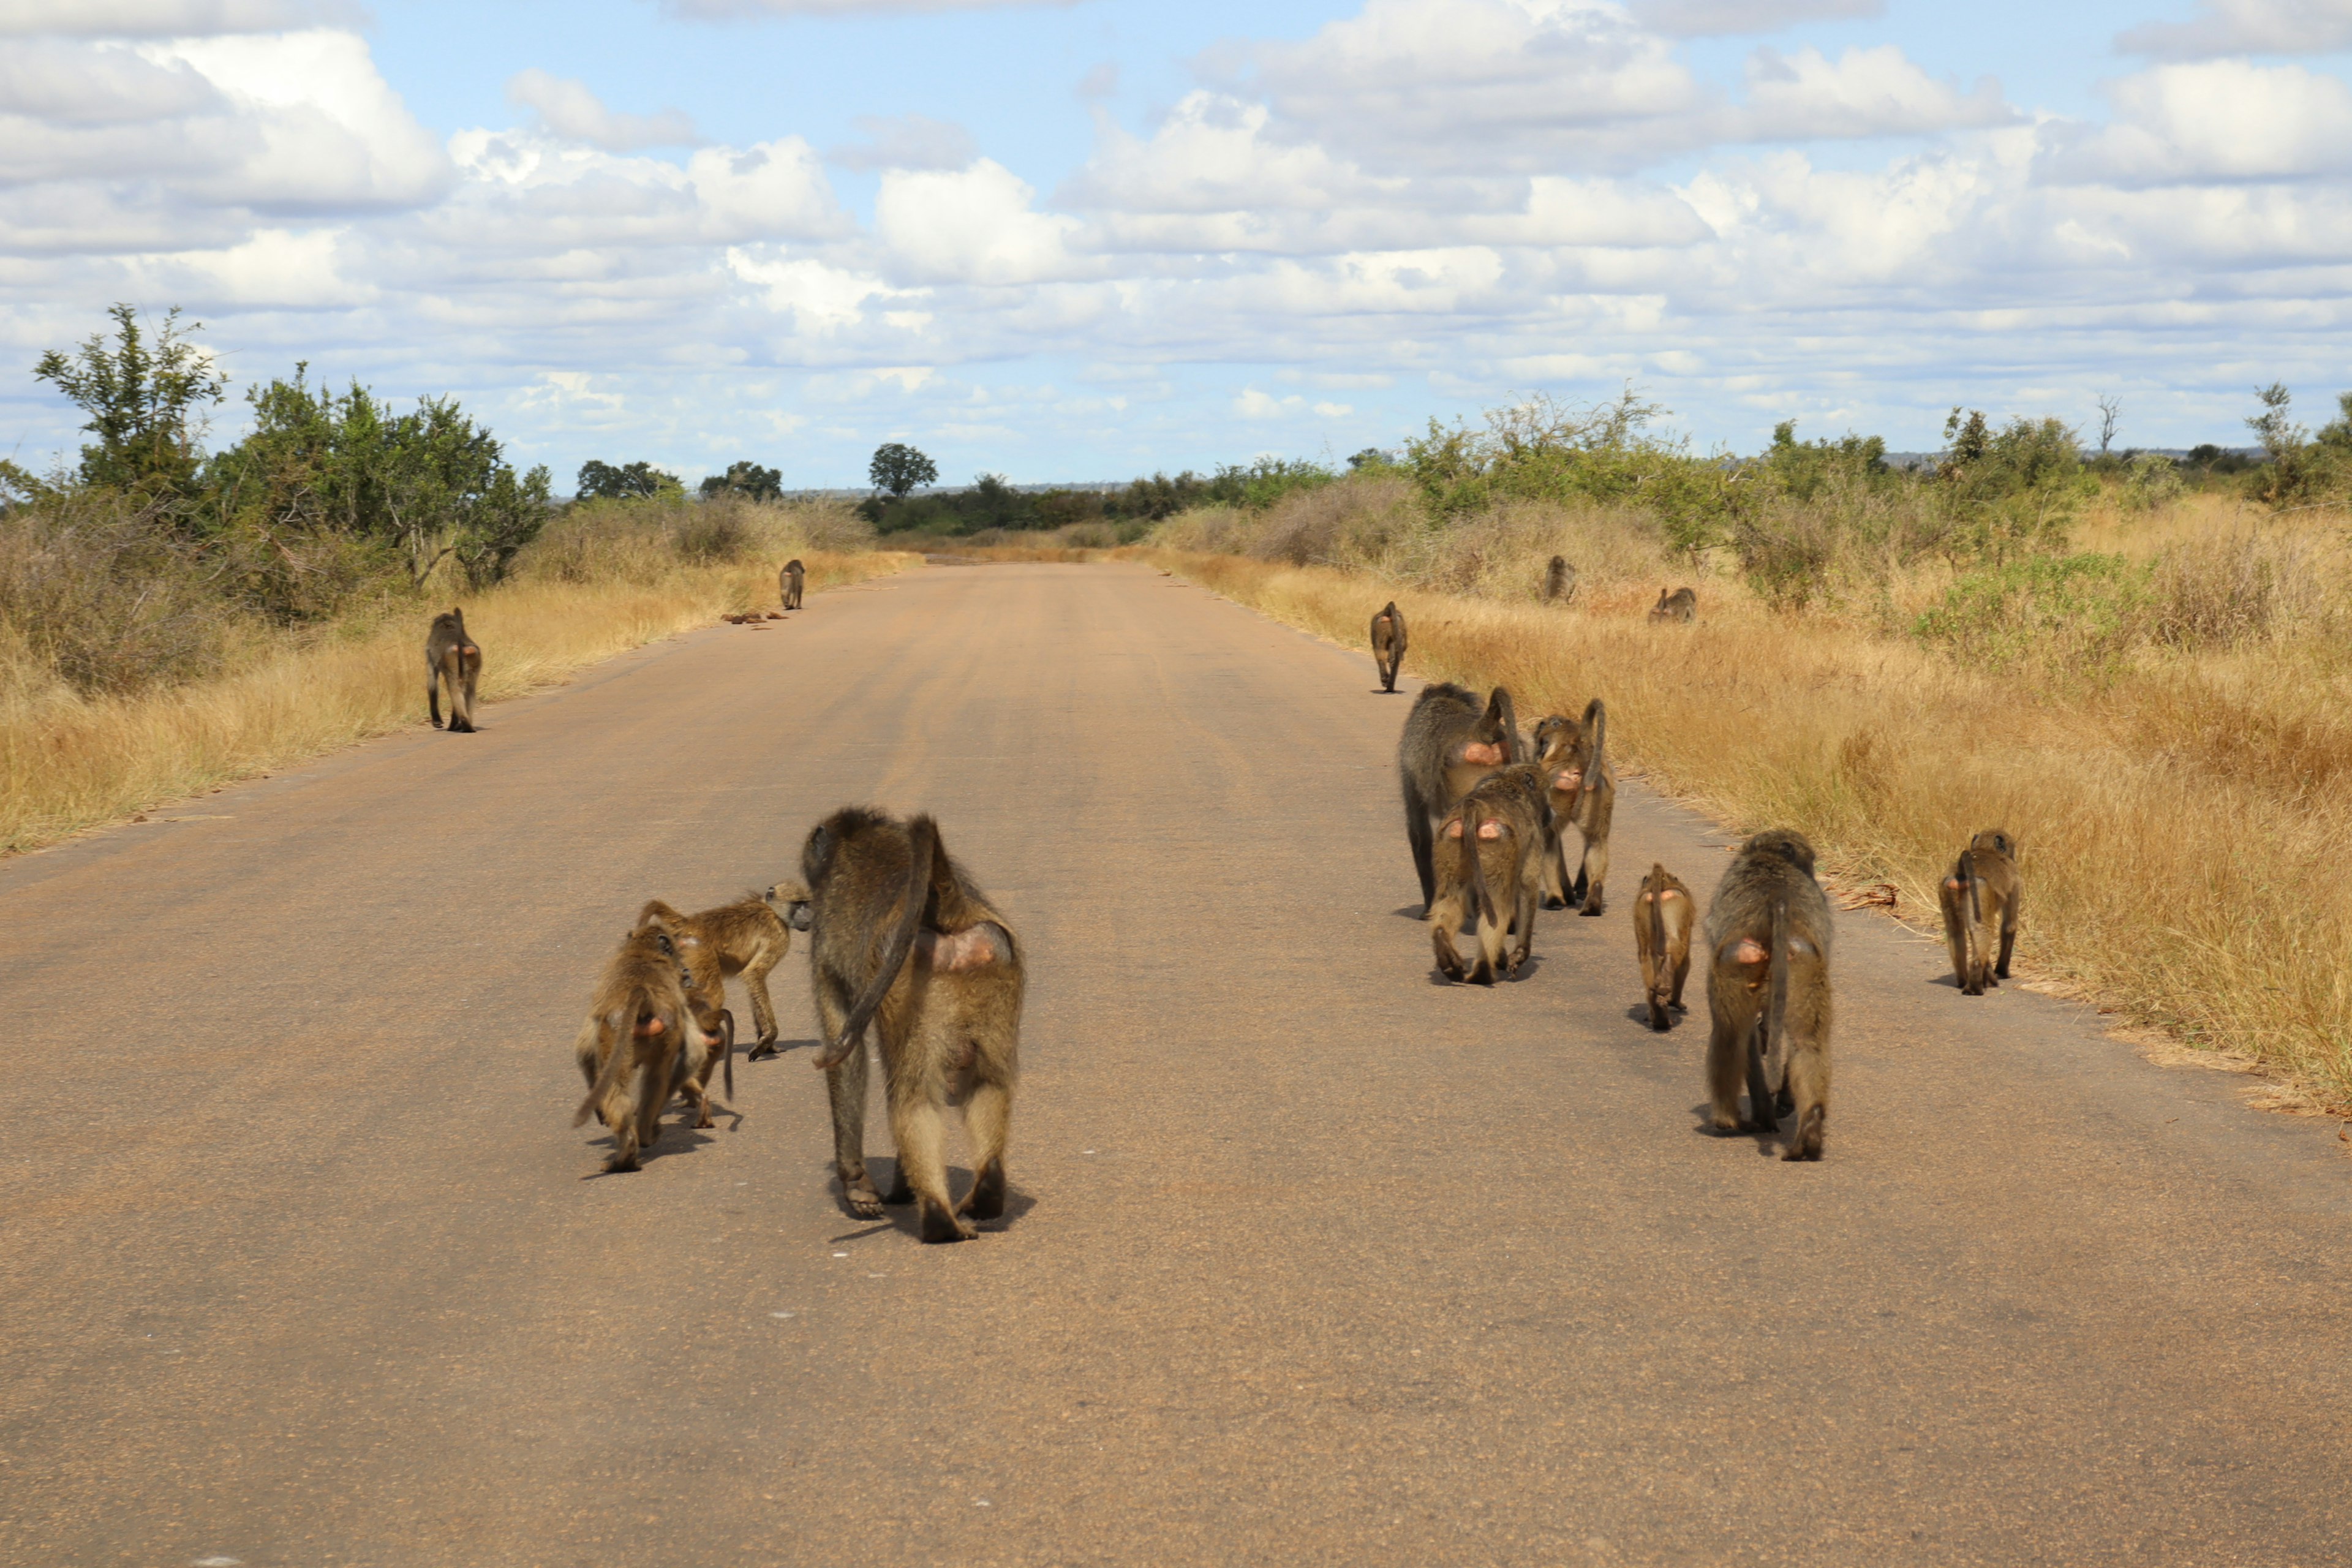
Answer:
(1312, 1260)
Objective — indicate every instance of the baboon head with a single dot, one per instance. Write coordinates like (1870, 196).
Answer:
(790, 900)
(1994, 839)
(1788, 844)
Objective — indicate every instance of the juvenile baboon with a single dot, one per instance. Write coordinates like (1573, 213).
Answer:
(902, 937)
(1490, 850)
(1560, 581)
(1980, 898)
(1662, 912)
(1388, 644)
(1767, 992)
(789, 583)
(1679, 605)
(1448, 745)
(640, 1038)
(451, 655)
(1583, 795)
(747, 938)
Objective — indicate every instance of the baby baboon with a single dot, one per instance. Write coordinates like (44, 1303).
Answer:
(901, 936)
(789, 581)
(1980, 898)
(1584, 790)
(1449, 745)
(1767, 992)
(640, 1038)
(1560, 581)
(1662, 913)
(1679, 605)
(1491, 849)
(748, 937)
(1388, 644)
(451, 655)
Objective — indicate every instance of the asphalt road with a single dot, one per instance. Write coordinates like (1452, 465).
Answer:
(1312, 1259)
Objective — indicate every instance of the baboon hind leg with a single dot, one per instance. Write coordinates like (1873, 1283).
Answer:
(763, 1011)
(1593, 872)
(987, 1119)
(433, 696)
(1556, 880)
(1423, 835)
(1727, 1057)
(2008, 936)
(845, 1085)
(1761, 1099)
(920, 1132)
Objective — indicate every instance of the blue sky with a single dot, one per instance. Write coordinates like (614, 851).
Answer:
(1083, 241)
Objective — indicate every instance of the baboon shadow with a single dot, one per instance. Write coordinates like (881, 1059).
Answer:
(1526, 971)
(1639, 1013)
(906, 1218)
(667, 1144)
(1768, 1144)
(780, 1048)
(1410, 912)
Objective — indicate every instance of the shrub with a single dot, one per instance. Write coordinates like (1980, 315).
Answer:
(2071, 614)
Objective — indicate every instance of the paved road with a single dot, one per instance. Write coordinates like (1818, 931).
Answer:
(1313, 1261)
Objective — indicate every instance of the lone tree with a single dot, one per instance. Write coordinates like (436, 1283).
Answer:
(602, 481)
(898, 468)
(745, 479)
(145, 403)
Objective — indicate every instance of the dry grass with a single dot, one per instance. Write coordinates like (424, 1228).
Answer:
(70, 762)
(2181, 823)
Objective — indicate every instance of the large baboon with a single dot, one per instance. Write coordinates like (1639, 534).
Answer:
(1662, 914)
(789, 581)
(1679, 605)
(1767, 992)
(640, 1041)
(1979, 896)
(901, 936)
(1560, 581)
(1490, 853)
(1448, 745)
(1583, 793)
(452, 657)
(1388, 644)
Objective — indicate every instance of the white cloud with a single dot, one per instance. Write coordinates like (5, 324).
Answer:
(2218, 120)
(1705, 18)
(169, 19)
(906, 142)
(1865, 93)
(568, 109)
(2246, 27)
(970, 225)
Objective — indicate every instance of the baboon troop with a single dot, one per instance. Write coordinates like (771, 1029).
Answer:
(452, 657)
(1450, 742)
(1388, 644)
(1662, 913)
(1679, 605)
(1560, 582)
(789, 581)
(1980, 898)
(1583, 795)
(1768, 992)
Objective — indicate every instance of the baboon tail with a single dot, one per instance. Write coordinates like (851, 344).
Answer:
(624, 1053)
(1482, 898)
(728, 1045)
(1499, 707)
(924, 834)
(1596, 721)
(1776, 1011)
(1661, 976)
(1966, 872)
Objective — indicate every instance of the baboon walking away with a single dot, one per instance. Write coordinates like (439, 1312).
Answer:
(1768, 992)
(1980, 898)
(452, 657)
(789, 581)
(1489, 857)
(1388, 644)
(1583, 795)
(1662, 913)
(1448, 745)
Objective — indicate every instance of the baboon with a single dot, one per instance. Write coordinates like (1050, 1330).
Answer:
(789, 583)
(1491, 849)
(1980, 898)
(747, 938)
(1767, 992)
(902, 937)
(1560, 581)
(1388, 644)
(640, 1039)
(451, 655)
(1448, 745)
(1662, 913)
(1679, 605)
(1583, 793)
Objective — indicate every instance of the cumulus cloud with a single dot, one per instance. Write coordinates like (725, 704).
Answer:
(971, 226)
(906, 141)
(2246, 27)
(169, 19)
(1862, 93)
(2218, 120)
(1707, 18)
(568, 109)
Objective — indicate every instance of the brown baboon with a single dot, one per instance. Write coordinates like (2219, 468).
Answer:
(640, 1038)
(1490, 849)
(1388, 644)
(1679, 605)
(1980, 898)
(1767, 992)
(902, 937)
(1448, 745)
(1662, 912)
(1560, 581)
(747, 938)
(451, 655)
(1584, 790)
(789, 581)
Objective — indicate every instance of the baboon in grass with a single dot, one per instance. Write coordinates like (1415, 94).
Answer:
(640, 1039)
(900, 936)
(789, 581)
(1980, 898)
(1662, 913)
(452, 657)
(1679, 605)
(1560, 581)
(1489, 869)
(1388, 644)
(1768, 992)
(1448, 745)
(1574, 756)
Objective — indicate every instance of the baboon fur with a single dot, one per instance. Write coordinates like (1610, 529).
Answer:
(1980, 896)
(1679, 605)
(452, 657)
(900, 935)
(639, 1040)
(1583, 793)
(1768, 992)
(1560, 581)
(1490, 850)
(1662, 914)
(1448, 745)
(1388, 644)
(789, 581)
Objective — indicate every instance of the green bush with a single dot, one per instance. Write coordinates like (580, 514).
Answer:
(2076, 614)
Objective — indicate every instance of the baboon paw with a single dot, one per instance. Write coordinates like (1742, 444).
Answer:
(899, 1196)
(1801, 1153)
(947, 1228)
(1552, 903)
(1592, 909)
(704, 1120)
(863, 1200)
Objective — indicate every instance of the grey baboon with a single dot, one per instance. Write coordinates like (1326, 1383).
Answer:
(1490, 849)
(1662, 913)
(1583, 793)
(452, 657)
(1560, 581)
(1767, 992)
(1448, 745)
(1388, 644)
(640, 1039)
(902, 937)
(789, 581)
(1679, 605)
(1980, 898)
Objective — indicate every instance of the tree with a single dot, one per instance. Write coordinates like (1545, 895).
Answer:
(745, 479)
(898, 468)
(640, 480)
(2111, 411)
(146, 405)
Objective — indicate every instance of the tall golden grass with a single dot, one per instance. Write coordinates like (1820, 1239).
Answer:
(2182, 821)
